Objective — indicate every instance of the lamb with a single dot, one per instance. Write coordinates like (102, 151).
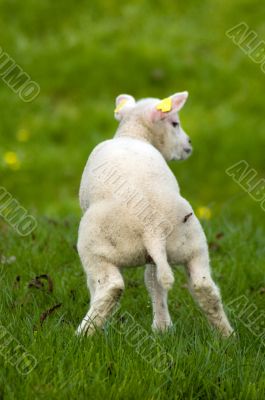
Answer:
(134, 215)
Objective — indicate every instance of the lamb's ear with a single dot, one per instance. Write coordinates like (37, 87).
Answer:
(169, 105)
(123, 103)
(178, 100)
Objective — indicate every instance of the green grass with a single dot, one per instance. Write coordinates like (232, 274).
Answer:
(83, 55)
(111, 365)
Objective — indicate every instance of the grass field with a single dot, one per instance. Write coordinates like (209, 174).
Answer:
(82, 56)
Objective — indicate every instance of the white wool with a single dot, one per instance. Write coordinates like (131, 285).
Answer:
(134, 214)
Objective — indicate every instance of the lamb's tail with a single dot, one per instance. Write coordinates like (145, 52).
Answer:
(157, 251)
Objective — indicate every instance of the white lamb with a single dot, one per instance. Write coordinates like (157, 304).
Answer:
(134, 215)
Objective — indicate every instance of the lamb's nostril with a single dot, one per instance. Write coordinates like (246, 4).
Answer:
(188, 150)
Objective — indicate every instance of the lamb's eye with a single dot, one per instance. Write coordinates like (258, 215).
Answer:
(175, 124)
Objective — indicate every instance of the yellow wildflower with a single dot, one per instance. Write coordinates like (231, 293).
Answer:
(204, 213)
(23, 135)
(11, 160)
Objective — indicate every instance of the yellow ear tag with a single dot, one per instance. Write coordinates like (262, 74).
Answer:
(120, 105)
(165, 105)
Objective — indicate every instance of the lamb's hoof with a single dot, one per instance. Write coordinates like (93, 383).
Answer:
(85, 329)
(80, 331)
(166, 279)
(161, 326)
(228, 332)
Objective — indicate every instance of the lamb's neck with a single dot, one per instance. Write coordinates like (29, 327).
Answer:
(134, 130)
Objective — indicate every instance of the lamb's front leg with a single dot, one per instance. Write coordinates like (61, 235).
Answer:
(162, 320)
(207, 294)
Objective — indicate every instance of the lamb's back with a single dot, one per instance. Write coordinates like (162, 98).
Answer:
(127, 165)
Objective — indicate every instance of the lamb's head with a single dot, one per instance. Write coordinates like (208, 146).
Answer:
(157, 121)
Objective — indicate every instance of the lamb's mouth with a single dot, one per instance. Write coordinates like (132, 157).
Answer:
(186, 154)
(176, 158)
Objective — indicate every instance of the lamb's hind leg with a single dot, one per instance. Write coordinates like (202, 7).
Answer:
(106, 286)
(156, 248)
(158, 294)
(104, 279)
(207, 294)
